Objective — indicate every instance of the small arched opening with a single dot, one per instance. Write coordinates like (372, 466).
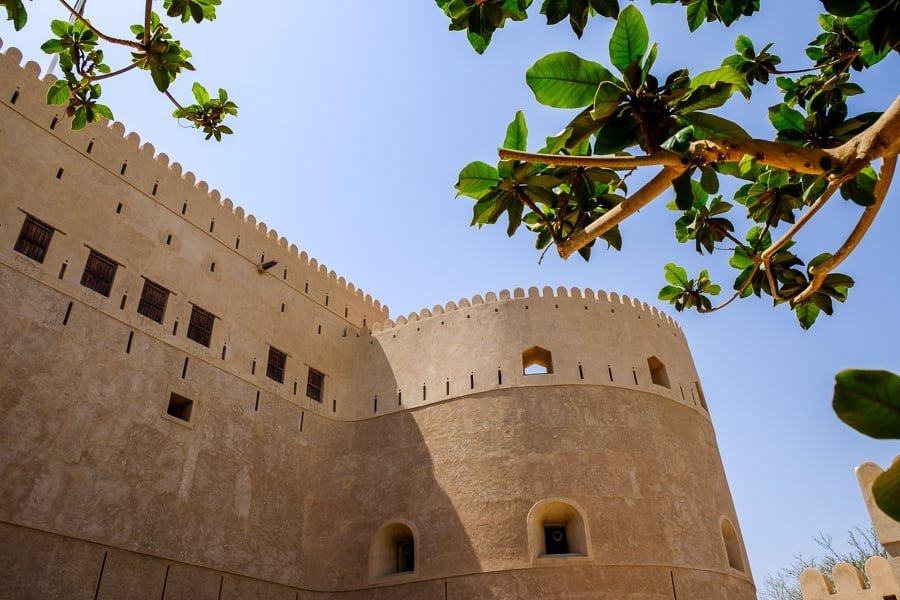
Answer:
(658, 373)
(393, 550)
(537, 361)
(732, 545)
(557, 529)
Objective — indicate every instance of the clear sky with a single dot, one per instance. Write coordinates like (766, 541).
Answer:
(355, 120)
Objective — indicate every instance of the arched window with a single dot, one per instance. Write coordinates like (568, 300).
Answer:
(732, 545)
(537, 361)
(557, 529)
(393, 550)
(658, 374)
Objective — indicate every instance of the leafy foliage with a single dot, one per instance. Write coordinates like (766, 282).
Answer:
(869, 401)
(625, 107)
(81, 60)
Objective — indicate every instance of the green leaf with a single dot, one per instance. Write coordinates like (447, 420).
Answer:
(606, 101)
(784, 118)
(15, 12)
(869, 402)
(58, 92)
(80, 118)
(886, 490)
(696, 15)
(517, 133)
(630, 38)
(704, 97)
(676, 275)
(861, 189)
(807, 314)
(707, 126)
(104, 111)
(564, 80)
(476, 179)
(60, 28)
(722, 75)
(200, 93)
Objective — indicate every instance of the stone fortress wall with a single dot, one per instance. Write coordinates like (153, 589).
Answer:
(428, 424)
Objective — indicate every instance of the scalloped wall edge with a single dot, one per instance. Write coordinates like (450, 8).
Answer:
(560, 293)
(117, 128)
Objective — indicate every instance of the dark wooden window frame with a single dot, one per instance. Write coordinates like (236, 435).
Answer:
(34, 239)
(154, 299)
(276, 364)
(201, 326)
(315, 385)
(99, 273)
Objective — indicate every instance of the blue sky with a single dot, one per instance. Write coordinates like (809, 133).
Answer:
(354, 124)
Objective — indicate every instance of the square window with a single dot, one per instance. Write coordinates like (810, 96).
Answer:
(201, 326)
(99, 273)
(275, 368)
(555, 539)
(153, 301)
(315, 384)
(180, 407)
(34, 239)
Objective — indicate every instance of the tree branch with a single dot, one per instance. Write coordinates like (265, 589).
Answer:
(820, 272)
(100, 34)
(114, 73)
(661, 158)
(881, 140)
(620, 212)
(147, 10)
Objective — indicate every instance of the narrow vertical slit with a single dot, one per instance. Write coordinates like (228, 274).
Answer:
(302, 414)
(119, 208)
(184, 208)
(122, 303)
(155, 188)
(445, 590)
(346, 312)
(674, 592)
(100, 575)
(253, 367)
(364, 321)
(693, 397)
(306, 287)
(59, 173)
(634, 374)
(683, 399)
(424, 392)
(472, 380)
(62, 269)
(212, 267)
(326, 299)
(54, 122)
(165, 583)
(212, 225)
(499, 376)
(334, 405)
(169, 240)
(284, 274)
(224, 349)
(221, 582)
(319, 330)
(237, 242)
(124, 167)
(282, 307)
(295, 387)
(128, 345)
(399, 397)
(68, 314)
(375, 404)
(256, 408)
(580, 371)
(175, 328)
(90, 146)
(14, 97)
(448, 387)
(184, 368)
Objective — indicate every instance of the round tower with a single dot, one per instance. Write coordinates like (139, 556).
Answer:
(535, 444)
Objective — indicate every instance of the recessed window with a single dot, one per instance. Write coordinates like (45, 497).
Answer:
(315, 385)
(99, 273)
(557, 528)
(180, 407)
(732, 546)
(153, 301)
(201, 326)
(393, 551)
(34, 239)
(658, 374)
(537, 361)
(275, 367)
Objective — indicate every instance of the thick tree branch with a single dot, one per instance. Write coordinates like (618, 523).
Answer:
(100, 34)
(820, 272)
(148, 9)
(620, 212)
(661, 158)
(881, 140)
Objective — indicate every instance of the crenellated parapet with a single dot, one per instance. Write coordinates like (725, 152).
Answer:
(847, 583)
(150, 174)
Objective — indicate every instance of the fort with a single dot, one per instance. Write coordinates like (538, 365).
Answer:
(194, 408)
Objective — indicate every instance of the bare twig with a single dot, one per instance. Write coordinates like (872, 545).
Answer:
(620, 212)
(100, 34)
(734, 296)
(821, 271)
(114, 73)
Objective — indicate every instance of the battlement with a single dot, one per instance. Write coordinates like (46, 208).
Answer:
(887, 529)
(23, 90)
(847, 583)
(546, 295)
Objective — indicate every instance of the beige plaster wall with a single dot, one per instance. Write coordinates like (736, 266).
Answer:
(266, 493)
